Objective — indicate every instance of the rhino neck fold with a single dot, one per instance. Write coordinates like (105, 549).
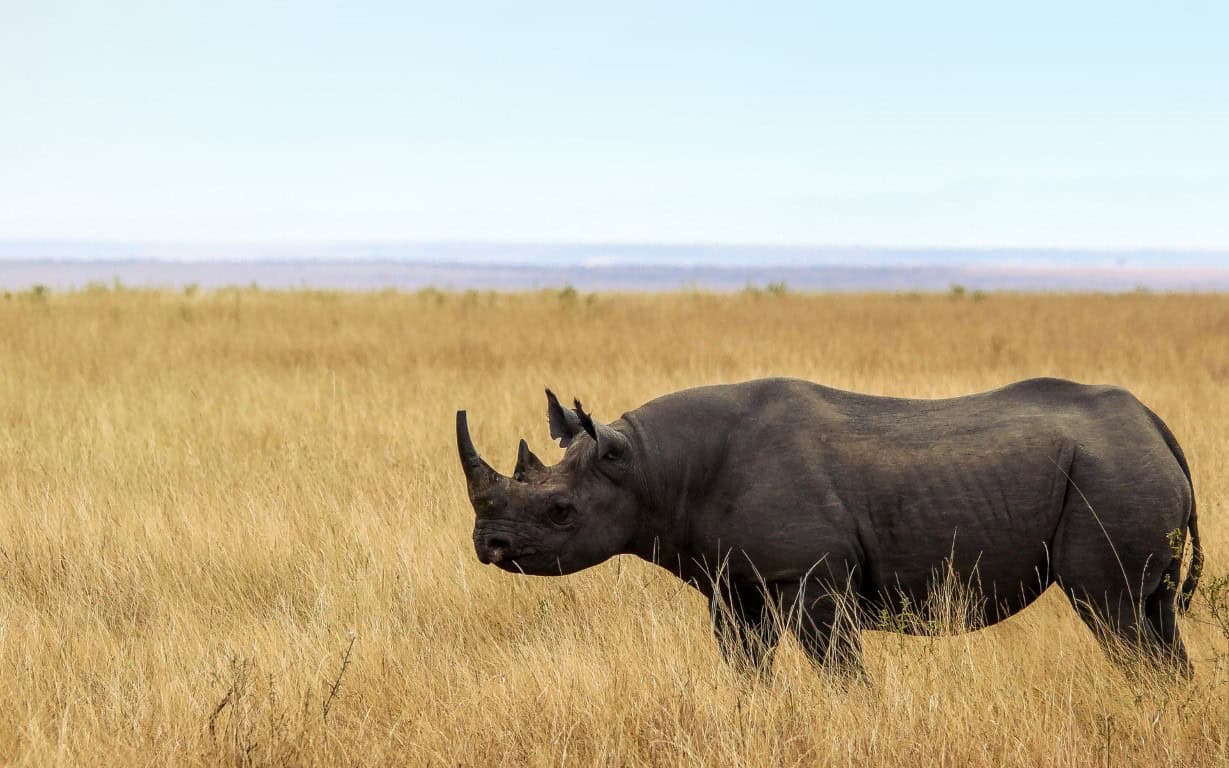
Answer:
(680, 471)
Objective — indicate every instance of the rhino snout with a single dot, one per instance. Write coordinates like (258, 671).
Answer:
(492, 549)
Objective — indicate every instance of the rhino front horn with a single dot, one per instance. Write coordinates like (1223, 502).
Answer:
(478, 474)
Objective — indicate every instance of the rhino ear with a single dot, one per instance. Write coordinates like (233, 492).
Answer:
(564, 425)
(585, 419)
(526, 462)
(611, 444)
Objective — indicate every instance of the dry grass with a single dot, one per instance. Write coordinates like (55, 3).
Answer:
(233, 530)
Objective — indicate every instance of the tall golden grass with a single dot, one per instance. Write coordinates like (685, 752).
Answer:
(233, 530)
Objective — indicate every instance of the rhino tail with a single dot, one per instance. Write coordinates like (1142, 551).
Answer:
(1192, 575)
(1192, 523)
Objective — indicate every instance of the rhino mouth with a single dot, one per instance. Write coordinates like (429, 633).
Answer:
(528, 562)
(503, 556)
(515, 563)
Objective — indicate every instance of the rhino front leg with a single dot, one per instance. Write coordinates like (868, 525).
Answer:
(746, 629)
(824, 618)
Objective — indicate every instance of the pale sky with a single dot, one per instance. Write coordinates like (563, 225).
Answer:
(1087, 124)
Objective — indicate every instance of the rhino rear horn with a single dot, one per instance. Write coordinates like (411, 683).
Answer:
(564, 424)
(526, 462)
(478, 474)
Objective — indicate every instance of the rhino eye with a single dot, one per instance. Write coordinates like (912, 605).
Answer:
(561, 513)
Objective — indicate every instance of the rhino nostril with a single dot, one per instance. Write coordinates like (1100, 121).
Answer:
(497, 548)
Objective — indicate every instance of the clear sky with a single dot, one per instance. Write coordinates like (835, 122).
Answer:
(1083, 124)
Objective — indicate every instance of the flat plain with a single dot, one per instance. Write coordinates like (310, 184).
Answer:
(233, 530)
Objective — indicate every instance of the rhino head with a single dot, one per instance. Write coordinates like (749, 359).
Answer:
(563, 518)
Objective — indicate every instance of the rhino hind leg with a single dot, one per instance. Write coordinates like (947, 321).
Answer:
(745, 625)
(1134, 631)
(1112, 558)
(1160, 610)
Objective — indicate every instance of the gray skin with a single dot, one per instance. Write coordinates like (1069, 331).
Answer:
(797, 507)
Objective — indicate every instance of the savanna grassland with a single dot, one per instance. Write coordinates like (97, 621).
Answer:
(233, 530)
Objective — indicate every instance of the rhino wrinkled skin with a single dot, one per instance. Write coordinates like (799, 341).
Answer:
(798, 507)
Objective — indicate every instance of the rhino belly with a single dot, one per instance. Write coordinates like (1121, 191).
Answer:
(984, 553)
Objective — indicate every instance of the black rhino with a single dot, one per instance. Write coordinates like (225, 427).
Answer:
(780, 497)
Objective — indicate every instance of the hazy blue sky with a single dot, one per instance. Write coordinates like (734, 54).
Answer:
(1045, 123)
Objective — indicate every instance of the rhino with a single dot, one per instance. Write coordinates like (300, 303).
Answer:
(795, 507)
